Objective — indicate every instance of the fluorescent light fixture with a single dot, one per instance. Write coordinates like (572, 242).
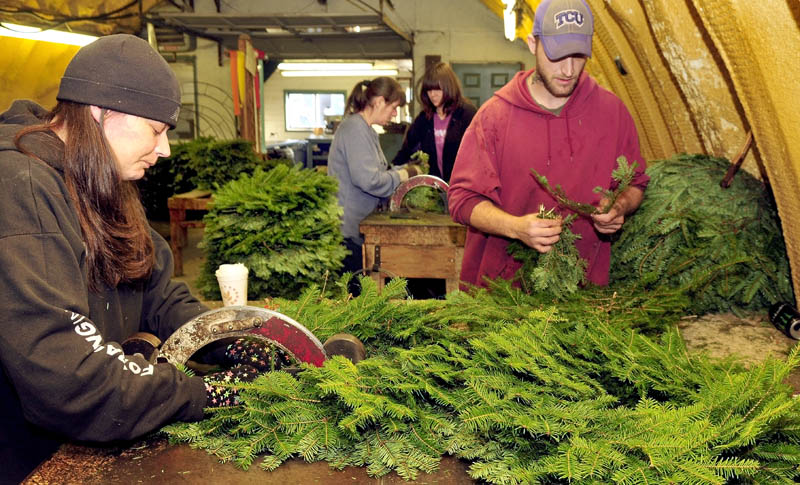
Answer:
(510, 20)
(34, 33)
(324, 66)
(341, 72)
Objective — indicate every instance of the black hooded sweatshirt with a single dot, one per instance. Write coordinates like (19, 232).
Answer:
(63, 375)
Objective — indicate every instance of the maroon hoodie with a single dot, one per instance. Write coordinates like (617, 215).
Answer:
(577, 149)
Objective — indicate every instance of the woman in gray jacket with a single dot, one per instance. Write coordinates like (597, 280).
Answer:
(357, 160)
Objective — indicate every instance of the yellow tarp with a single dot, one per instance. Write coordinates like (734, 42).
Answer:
(32, 70)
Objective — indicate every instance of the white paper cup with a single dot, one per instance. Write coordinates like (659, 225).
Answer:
(232, 279)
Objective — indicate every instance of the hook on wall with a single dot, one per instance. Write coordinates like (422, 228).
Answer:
(620, 66)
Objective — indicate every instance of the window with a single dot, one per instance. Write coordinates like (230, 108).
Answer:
(306, 110)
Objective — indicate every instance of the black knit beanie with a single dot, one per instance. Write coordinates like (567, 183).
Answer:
(123, 73)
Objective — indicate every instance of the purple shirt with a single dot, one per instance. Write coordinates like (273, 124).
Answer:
(439, 132)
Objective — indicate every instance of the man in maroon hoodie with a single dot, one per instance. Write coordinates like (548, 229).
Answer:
(555, 119)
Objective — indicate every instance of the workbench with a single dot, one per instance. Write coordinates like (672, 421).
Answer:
(413, 244)
(154, 460)
(197, 200)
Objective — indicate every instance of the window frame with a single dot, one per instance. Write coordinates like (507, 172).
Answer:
(287, 92)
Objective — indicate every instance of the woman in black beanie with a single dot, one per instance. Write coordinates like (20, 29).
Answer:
(82, 270)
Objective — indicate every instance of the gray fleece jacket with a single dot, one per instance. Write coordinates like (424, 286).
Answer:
(63, 375)
(358, 163)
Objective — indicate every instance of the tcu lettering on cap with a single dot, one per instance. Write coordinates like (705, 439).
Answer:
(565, 17)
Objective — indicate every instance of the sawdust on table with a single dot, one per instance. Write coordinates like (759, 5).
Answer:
(751, 338)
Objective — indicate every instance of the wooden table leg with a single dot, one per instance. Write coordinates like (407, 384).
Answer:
(451, 285)
(177, 238)
(370, 257)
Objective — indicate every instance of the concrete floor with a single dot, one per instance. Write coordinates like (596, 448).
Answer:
(193, 259)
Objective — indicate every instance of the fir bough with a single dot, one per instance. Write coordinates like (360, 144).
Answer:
(202, 163)
(622, 176)
(283, 224)
(525, 392)
(723, 246)
(217, 162)
(425, 198)
(559, 271)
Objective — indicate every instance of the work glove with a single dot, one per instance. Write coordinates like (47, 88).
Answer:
(256, 353)
(218, 395)
(413, 169)
(247, 358)
(420, 158)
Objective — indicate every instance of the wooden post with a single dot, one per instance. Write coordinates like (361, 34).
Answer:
(247, 120)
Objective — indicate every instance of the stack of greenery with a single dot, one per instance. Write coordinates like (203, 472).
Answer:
(203, 163)
(425, 198)
(525, 392)
(724, 247)
(283, 224)
(215, 163)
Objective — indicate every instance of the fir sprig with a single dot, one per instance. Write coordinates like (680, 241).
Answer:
(622, 177)
(558, 272)
(561, 271)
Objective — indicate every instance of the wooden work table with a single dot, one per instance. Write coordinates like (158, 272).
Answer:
(413, 245)
(197, 200)
(153, 460)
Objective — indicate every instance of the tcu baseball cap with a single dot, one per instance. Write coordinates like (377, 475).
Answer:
(565, 28)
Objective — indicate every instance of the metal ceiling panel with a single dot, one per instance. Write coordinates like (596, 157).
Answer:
(308, 36)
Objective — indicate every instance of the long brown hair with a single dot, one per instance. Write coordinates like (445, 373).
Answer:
(364, 91)
(441, 76)
(119, 248)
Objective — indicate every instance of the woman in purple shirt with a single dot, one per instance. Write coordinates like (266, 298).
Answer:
(438, 129)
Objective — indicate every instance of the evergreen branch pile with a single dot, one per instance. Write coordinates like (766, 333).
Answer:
(559, 271)
(217, 162)
(527, 393)
(283, 224)
(425, 198)
(723, 246)
(202, 163)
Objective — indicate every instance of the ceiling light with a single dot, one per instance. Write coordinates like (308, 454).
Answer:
(509, 20)
(341, 72)
(323, 66)
(34, 33)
